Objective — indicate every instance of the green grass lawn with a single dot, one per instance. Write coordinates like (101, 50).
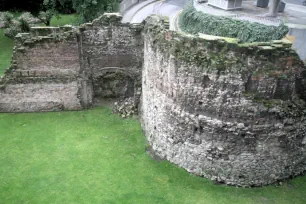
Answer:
(96, 157)
(64, 19)
(6, 51)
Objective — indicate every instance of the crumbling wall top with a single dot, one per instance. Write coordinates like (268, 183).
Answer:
(199, 49)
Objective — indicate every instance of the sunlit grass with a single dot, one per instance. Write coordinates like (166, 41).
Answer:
(64, 19)
(96, 157)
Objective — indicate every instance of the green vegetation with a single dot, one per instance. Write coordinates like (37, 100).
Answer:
(14, 25)
(96, 157)
(88, 10)
(64, 19)
(48, 11)
(6, 44)
(6, 51)
(194, 22)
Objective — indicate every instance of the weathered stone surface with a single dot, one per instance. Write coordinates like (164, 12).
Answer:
(126, 107)
(44, 74)
(113, 54)
(39, 97)
(230, 112)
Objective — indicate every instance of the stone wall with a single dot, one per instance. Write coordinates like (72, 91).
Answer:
(227, 111)
(112, 53)
(65, 68)
(44, 75)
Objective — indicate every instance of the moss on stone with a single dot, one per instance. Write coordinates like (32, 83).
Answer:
(190, 48)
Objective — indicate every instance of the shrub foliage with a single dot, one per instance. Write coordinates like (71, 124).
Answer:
(87, 10)
(193, 21)
(13, 25)
(91, 9)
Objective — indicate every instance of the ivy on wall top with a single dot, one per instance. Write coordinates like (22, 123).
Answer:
(193, 21)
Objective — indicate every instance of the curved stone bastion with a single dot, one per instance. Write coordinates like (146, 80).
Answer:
(231, 112)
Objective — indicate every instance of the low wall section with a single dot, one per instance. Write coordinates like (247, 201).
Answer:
(44, 75)
(65, 68)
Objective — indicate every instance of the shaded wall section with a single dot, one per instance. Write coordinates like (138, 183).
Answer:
(112, 54)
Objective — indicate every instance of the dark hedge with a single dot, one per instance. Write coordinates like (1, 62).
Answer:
(33, 6)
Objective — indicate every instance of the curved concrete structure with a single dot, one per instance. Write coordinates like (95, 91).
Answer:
(170, 8)
(126, 4)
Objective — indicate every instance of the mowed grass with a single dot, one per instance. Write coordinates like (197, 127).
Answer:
(64, 19)
(6, 51)
(96, 157)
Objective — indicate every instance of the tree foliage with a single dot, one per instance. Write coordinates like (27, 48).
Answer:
(193, 21)
(42, 9)
(48, 10)
(28, 5)
(64, 6)
(91, 9)
(13, 25)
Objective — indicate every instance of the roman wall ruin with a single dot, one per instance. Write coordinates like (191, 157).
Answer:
(44, 74)
(231, 112)
(66, 68)
(228, 111)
